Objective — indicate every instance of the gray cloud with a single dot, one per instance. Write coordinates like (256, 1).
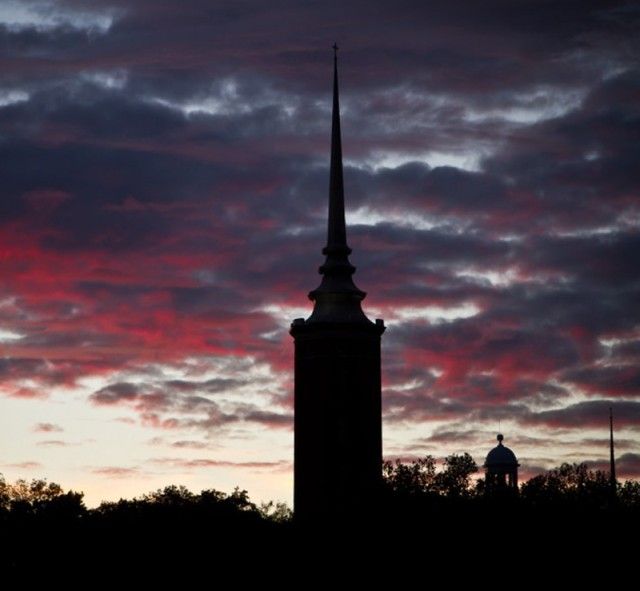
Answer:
(160, 189)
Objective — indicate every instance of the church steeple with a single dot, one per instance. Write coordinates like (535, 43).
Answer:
(337, 299)
(337, 460)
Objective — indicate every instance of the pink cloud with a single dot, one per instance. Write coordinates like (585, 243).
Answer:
(47, 428)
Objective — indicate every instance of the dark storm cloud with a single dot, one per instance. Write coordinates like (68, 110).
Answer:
(578, 170)
(164, 180)
(593, 413)
(125, 166)
(38, 46)
(626, 351)
(211, 419)
(607, 261)
(270, 419)
(116, 393)
(48, 372)
(603, 443)
(622, 380)
(628, 465)
(211, 386)
(441, 190)
(448, 437)
(414, 406)
(504, 37)
(582, 415)
(20, 367)
(173, 404)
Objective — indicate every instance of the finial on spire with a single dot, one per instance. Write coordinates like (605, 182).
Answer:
(335, 50)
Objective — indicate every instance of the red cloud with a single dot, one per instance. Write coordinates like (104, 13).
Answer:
(151, 215)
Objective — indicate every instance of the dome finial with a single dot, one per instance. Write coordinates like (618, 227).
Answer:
(500, 438)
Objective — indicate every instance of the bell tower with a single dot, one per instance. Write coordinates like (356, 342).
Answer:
(338, 417)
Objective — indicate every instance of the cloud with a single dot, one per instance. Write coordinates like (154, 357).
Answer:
(193, 464)
(206, 405)
(269, 419)
(116, 472)
(26, 393)
(164, 205)
(628, 466)
(185, 444)
(591, 413)
(28, 465)
(619, 379)
(47, 428)
(115, 393)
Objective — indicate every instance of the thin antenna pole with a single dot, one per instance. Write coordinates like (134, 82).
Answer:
(612, 457)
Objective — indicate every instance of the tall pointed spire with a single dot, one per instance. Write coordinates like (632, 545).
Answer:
(337, 299)
(612, 458)
(337, 399)
(336, 229)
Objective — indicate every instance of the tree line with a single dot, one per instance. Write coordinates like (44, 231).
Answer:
(571, 485)
(41, 522)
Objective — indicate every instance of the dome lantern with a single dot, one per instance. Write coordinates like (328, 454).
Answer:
(501, 468)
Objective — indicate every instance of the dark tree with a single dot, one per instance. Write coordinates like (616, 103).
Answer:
(455, 479)
(571, 485)
(416, 477)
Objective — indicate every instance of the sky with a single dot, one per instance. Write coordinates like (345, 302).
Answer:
(163, 202)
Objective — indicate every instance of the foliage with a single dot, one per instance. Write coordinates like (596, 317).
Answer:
(276, 512)
(39, 497)
(416, 477)
(569, 484)
(629, 494)
(455, 478)
(174, 525)
(419, 477)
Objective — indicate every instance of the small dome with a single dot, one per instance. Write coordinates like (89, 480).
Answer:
(501, 455)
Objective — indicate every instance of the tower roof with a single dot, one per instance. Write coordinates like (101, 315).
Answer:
(500, 455)
(337, 298)
(336, 227)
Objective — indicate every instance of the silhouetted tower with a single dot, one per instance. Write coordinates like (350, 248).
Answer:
(612, 457)
(338, 418)
(501, 468)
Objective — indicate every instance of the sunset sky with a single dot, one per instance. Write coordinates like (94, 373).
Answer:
(163, 202)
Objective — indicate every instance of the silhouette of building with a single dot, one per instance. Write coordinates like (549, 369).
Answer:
(613, 483)
(501, 468)
(338, 419)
